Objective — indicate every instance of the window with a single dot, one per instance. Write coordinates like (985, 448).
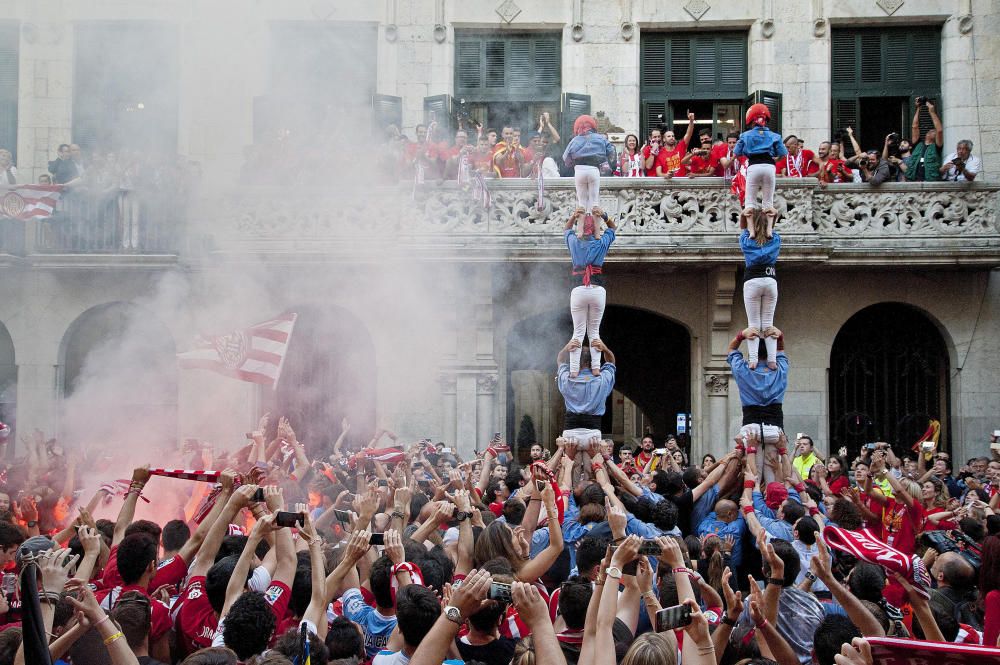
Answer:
(506, 80)
(125, 86)
(9, 41)
(329, 71)
(705, 73)
(876, 73)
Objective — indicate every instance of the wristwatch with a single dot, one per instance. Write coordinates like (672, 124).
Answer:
(32, 524)
(614, 572)
(810, 576)
(453, 614)
(461, 516)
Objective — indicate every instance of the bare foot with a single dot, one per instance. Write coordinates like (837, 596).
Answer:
(752, 364)
(772, 365)
(748, 214)
(596, 371)
(772, 217)
(573, 375)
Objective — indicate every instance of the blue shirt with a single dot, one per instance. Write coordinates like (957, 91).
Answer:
(590, 146)
(376, 627)
(759, 255)
(760, 141)
(586, 393)
(589, 252)
(761, 386)
(737, 528)
(703, 506)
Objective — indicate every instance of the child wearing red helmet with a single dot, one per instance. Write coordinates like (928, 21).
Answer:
(762, 148)
(589, 153)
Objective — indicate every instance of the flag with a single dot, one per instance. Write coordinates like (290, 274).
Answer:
(932, 435)
(862, 544)
(481, 192)
(540, 206)
(894, 651)
(29, 201)
(255, 354)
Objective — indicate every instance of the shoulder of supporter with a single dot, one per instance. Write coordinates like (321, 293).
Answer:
(354, 604)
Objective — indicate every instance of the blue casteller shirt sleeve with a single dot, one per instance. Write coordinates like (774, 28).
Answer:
(761, 386)
(589, 252)
(586, 393)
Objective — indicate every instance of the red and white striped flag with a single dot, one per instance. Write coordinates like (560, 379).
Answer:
(255, 354)
(29, 201)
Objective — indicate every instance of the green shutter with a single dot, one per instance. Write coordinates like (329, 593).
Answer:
(845, 113)
(9, 43)
(706, 65)
(512, 68)
(891, 62)
(871, 58)
(653, 115)
(386, 110)
(772, 100)
(573, 106)
(844, 58)
(438, 108)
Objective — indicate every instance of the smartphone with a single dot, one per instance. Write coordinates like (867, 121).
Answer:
(540, 484)
(377, 539)
(995, 446)
(660, 451)
(671, 618)
(342, 516)
(500, 592)
(650, 548)
(282, 518)
(799, 435)
(927, 446)
(383, 483)
(258, 495)
(996, 433)
(870, 446)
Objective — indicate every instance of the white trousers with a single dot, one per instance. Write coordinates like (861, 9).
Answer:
(583, 437)
(588, 186)
(586, 304)
(768, 449)
(760, 178)
(760, 297)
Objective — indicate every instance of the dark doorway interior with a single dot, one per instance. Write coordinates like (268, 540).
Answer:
(888, 377)
(652, 353)
(877, 118)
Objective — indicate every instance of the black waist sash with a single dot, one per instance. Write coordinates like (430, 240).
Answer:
(760, 270)
(582, 421)
(764, 415)
(763, 158)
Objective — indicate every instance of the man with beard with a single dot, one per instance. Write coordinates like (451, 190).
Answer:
(668, 160)
(645, 454)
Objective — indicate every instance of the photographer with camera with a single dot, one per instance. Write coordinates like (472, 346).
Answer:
(961, 165)
(924, 163)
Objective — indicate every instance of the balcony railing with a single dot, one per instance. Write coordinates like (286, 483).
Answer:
(681, 221)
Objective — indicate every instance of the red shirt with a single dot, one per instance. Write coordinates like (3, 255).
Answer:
(838, 484)
(642, 459)
(196, 620)
(160, 623)
(669, 160)
(720, 152)
(900, 524)
(941, 524)
(833, 171)
(799, 166)
(647, 150)
(506, 166)
(698, 164)
(277, 596)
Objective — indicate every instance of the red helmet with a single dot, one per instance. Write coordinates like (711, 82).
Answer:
(757, 111)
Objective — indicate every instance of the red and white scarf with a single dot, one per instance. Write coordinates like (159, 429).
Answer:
(862, 544)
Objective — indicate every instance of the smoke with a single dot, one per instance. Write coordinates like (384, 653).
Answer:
(378, 319)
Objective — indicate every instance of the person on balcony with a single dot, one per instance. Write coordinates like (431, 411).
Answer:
(959, 166)
(589, 153)
(762, 148)
(799, 162)
(588, 297)
(924, 163)
(62, 168)
(8, 172)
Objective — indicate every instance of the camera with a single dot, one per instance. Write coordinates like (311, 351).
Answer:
(921, 101)
(499, 592)
(863, 162)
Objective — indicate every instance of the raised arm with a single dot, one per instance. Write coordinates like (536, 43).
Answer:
(563, 356)
(536, 567)
(609, 357)
(938, 129)
(689, 134)
(316, 611)
(915, 127)
(140, 477)
(854, 141)
(853, 606)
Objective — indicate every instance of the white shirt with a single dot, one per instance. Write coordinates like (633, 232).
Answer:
(973, 165)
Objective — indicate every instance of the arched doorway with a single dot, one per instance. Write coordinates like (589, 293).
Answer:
(119, 379)
(889, 374)
(653, 357)
(8, 384)
(329, 374)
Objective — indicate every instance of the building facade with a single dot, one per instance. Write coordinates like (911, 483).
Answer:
(424, 312)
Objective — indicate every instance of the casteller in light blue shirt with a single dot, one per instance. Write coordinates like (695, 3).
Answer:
(586, 393)
(761, 386)
(589, 251)
(759, 255)
(760, 141)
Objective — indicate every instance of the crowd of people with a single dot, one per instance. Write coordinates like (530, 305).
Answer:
(512, 152)
(592, 553)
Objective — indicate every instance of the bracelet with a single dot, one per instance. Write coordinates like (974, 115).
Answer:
(763, 624)
(813, 510)
(729, 622)
(747, 510)
(800, 487)
(782, 451)
(595, 466)
(682, 570)
(749, 484)
(398, 514)
(751, 450)
(776, 581)
(111, 638)
(107, 617)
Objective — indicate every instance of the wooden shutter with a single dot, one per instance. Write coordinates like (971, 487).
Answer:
(653, 115)
(9, 42)
(772, 100)
(573, 106)
(517, 68)
(693, 66)
(439, 109)
(845, 112)
(893, 62)
(386, 110)
(844, 58)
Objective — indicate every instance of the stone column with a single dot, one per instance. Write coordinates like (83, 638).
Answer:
(448, 408)
(717, 407)
(465, 409)
(715, 420)
(45, 95)
(486, 421)
(36, 399)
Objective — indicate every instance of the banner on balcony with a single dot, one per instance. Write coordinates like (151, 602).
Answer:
(255, 354)
(26, 202)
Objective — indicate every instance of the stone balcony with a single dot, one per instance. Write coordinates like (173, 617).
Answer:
(681, 222)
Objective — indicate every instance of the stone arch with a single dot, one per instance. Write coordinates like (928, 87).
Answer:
(117, 377)
(653, 354)
(329, 373)
(889, 373)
